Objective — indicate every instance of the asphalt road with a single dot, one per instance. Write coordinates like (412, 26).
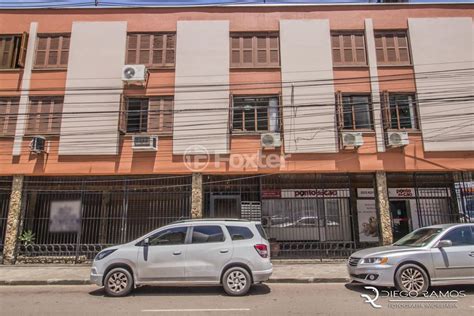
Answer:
(271, 299)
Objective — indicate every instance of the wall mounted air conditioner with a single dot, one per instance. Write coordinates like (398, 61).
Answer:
(134, 74)
(38, 145)
(144, 143)
(352, 139)
(397, 139)
(270, 140)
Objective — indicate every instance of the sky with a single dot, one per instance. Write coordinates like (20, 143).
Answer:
(108, 3)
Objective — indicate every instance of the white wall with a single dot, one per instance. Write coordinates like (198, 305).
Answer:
(96, 59)
(202, 79)
(442, 53)
(306, 61)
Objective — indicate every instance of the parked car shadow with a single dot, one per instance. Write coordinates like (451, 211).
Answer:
(258, 289)
(359, 287)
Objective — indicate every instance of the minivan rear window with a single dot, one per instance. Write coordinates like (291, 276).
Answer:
(261, 231)
(239, 232)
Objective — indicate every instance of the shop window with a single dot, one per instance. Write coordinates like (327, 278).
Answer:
(392, 48)
(152, 115)
(255, 114)
(205, 234)
(255, 50)
(8, 115)
(13, 51)
(52, 51)
(44, 115)
(355, 112)
(348, 49)
(400, 111)
(152, 50)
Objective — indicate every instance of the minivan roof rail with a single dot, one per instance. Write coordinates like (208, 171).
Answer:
(210, 220)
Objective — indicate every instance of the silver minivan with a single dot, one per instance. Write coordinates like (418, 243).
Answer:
(233, 253)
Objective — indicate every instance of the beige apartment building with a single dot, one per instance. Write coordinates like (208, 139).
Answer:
(338, 126)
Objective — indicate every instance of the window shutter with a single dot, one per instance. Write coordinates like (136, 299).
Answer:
(123, 114)
(167, 115)
(385, 103)
(339, 110)
(155, 108)
(55, 117)
(23, 47)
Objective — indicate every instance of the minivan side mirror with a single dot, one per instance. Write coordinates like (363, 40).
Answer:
(146, 241)
(445, 243)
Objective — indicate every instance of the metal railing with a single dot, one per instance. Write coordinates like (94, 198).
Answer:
(114, 210)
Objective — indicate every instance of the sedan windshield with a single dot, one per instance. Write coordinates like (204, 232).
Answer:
(419, 238)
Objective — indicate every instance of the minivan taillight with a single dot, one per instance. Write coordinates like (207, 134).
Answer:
(262, 250)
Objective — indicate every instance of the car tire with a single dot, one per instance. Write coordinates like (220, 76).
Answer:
(236, 281)
(412, 278)
(118, 282)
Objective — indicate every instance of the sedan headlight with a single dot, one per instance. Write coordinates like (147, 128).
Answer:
(374, 260)
(101, 255)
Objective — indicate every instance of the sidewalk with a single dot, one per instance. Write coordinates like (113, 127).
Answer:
(79, 274)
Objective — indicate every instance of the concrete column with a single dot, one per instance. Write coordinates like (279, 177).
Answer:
(13, 221)
(196, 196)
(385, 221)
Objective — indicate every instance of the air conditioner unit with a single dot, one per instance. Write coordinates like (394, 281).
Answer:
(144, 143)
(397, 139)
(270, 140)
(352, 139)
(134, 74)
(38, 145)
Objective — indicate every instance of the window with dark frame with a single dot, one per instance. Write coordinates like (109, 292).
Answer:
(44, 115)
(152, 115)
(356, 112)
(255, 114)
(152, 50)
(392, 48)
(348, 48)
(52, 51)
(401, 111)
(8, 115)
(13, 51)
(254, 50)
(206, 234)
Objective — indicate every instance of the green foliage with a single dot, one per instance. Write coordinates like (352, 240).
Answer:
(27, 238)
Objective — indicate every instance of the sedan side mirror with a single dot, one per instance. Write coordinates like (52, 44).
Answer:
(445, 243)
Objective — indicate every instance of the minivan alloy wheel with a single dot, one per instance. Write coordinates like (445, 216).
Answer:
(118, 282)
(236, 281)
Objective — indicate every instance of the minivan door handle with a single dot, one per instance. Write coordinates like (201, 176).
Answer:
(177, 253)
(471, 254)
(224, 251)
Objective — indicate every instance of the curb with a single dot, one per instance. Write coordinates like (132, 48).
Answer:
(87, 282)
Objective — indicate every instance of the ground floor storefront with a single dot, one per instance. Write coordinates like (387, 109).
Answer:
(70, 219)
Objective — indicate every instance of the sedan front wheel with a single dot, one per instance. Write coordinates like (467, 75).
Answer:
(411, 278)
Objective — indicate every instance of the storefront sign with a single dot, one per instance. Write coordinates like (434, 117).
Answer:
(65, 216)
(367, 220)
(314, 193)
(271, 194)
(406, 192)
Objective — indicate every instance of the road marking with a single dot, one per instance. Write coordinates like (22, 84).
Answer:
(197, 310)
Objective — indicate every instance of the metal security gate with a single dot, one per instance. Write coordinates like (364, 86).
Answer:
(424, 199)
(309, 215)
(5, 190)
(112, 210)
